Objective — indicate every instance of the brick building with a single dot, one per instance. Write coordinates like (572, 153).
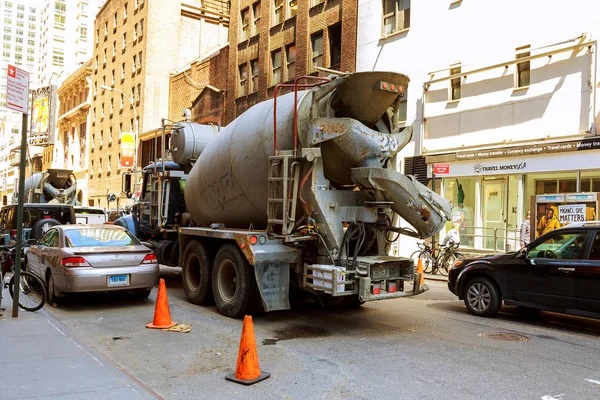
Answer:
(137, 46)
(201, 88)
(273, 41)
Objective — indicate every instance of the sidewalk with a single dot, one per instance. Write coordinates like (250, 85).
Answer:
(437, 277)
(42, 358)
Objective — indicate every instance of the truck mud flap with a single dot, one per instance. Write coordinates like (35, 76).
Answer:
(420, 206)
(273, 281)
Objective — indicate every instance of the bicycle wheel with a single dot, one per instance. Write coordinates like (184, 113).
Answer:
(32, 291)
(425, 259)
(447, 263)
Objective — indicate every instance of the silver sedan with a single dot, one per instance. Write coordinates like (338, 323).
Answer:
(92, 258)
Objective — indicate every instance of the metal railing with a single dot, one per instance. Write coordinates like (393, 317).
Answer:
(498, 240)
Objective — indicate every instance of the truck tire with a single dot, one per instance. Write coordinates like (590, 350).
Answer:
(196, 273)
(163, 251)
(40, 227)
(233, 282)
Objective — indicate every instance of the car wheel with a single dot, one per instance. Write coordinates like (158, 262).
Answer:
(482, 297)
(196, 273)
(233, 282)
(53, 293)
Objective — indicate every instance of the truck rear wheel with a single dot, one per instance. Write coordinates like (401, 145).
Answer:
(196, 273)
(233, 282)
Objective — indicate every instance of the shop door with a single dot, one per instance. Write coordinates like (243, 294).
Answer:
(494, 214)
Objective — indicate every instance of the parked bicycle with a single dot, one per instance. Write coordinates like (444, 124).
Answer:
(32, 291)
(439, 260)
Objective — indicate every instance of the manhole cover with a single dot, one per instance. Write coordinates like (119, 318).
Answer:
(504, 336)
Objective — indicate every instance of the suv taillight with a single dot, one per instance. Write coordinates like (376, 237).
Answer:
(71, 262)
(149, 259)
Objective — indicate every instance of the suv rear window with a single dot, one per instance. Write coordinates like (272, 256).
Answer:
(34, 213)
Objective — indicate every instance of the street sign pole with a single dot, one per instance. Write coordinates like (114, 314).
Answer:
(17, 98)
(21, 200)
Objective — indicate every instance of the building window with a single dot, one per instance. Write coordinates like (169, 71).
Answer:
(245, 24)
(97, 36)
(254, 70)
(101, 116)
(133, 64)
(115, 21)
(100, 166)
(135, 31)
(523, 68)
(292, 8)
(275, 67)
(455, 83)
(122, 72)
(121, 105)
(316, 41)
(139, 64)
(139, 92)
(104, 60)
(396, 16)
(125, 12)
(105, 30)
(290, 58)
(124, 42)
(141, 28)
(114, 49)
(335, 46)
(243, 70)
(278, 12)
(255, 17)
(112, 81)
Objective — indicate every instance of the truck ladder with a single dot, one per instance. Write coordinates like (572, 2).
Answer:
(284, 179)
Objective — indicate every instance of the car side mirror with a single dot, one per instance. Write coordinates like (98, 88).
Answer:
(31, 242)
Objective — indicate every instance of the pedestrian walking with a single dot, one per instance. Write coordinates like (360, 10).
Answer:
(525, 230)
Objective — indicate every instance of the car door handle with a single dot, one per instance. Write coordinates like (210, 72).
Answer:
(565, 269)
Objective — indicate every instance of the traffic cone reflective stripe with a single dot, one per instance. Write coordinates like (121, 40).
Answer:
(247, 370)
(420, 271)
(162, 315)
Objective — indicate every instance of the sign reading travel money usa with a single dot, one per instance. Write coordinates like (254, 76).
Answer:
(17, 89)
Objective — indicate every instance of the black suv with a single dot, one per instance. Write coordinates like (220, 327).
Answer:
(37, 219)
(558, 272)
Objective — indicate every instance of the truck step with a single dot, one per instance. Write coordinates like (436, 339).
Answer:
(276, 221)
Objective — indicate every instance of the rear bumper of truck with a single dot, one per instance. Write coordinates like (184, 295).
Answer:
(373, 278)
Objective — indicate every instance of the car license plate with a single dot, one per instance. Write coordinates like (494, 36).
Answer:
(118, 280)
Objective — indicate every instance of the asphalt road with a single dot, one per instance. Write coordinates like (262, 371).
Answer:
(426, 347)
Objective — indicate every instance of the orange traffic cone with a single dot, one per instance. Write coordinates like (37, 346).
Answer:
(162, 315)
(247, 370)
(420, 271)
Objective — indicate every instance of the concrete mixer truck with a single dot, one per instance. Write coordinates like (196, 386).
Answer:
(300, 193)
(53, 186)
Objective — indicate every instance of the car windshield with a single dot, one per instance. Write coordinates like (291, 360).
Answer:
(98, 237)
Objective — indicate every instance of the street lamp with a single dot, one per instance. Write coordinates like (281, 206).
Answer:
(135, 153)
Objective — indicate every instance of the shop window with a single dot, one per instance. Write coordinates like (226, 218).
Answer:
(545, 186)
(567, 186)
